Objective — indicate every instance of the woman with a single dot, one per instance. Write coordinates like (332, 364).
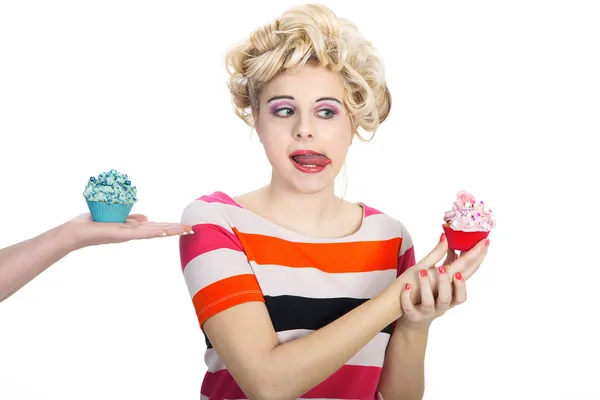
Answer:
(297, 291)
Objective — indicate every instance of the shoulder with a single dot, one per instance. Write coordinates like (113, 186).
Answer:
(382, 221)
(213, 208)
(214, 234)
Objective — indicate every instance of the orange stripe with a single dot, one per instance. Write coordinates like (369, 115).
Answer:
(224, 294)
(327, 257)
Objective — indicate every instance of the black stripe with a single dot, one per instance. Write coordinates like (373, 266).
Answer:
(293, 312)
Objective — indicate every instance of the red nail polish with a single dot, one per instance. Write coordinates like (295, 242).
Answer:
(442, 269)
(442, 237)
(487, 242)
(423, 273)
(458, 276)
(407, 286)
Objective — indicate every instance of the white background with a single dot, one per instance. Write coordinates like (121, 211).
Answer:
(499, 98)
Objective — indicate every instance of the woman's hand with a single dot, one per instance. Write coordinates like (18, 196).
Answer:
(82, 231)
(454, 266)
(451, 291)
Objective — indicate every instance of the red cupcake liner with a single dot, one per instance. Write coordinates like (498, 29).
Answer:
(461, 240)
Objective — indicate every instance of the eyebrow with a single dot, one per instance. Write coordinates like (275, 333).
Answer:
(292, 98)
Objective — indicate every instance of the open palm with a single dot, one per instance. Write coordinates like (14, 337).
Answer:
(87, 232)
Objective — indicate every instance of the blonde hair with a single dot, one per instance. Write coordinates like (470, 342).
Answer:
(310, 33)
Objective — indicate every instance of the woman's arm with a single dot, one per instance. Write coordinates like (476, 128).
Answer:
(246, 341)
(403, 374)
(22, 262)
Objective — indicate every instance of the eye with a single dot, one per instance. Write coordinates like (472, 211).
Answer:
(284, 112)
(326, 113)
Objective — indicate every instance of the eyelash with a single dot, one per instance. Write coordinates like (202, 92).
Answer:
(329, 110)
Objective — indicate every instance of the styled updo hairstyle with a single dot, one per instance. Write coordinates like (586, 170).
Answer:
(310, 33)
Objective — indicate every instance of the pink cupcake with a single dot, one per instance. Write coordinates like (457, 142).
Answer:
(468, 222)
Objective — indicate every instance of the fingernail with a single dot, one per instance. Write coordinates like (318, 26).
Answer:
(487, 242)
(442, 237)
(184, 233)
(442, 269)
(191, 232)
(407, 286)
(423, 273)
(458, 276)
(162, 234)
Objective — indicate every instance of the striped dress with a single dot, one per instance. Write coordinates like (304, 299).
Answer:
(236, 256)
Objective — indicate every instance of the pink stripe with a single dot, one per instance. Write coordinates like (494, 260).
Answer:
(370, 210)
(220, 197)
(221, 385)
(406, 260)
(206, 237)
(349, 382)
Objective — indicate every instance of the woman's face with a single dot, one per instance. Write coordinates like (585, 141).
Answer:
(305, 128)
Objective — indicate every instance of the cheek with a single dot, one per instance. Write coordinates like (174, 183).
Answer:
(275, 148)
(338, 142)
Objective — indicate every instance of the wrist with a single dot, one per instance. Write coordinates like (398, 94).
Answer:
(411, 331)
(67, 237)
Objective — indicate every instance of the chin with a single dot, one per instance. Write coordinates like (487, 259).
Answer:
(305, 183)
(311, 185)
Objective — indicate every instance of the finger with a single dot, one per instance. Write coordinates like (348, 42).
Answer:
(460, 289)
(407, 305)
(138, 217)
(166, 226)
(470, 261)
(438, 252)
(178, 229)
(450, 257)
(444, 299)
(158, 224)
(427, 299)
(151, 231)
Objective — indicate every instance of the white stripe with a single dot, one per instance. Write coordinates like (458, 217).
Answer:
(201, 212)
(374, 227)
(210, 267)
(407, 241)
(371, 355)
(277, 280)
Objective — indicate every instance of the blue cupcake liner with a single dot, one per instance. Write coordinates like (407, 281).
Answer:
(107, 212)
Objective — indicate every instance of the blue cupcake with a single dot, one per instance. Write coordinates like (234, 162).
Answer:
(110, 196)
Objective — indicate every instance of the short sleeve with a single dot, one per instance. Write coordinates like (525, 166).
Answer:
(406, 256)
(215, 268)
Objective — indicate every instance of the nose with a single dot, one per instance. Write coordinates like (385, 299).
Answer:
(304, 130)
(303, 135)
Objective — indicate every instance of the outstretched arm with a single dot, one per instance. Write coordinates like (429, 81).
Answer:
(22, 262)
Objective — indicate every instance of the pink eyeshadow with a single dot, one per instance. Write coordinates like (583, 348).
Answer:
(334, 107)
(274, 107)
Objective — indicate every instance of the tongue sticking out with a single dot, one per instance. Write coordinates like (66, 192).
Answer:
(312, 159)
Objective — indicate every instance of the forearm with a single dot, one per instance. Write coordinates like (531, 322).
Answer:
(22, 262)
(295, 367)
(403, 374)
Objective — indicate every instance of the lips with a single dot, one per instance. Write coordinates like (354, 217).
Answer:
(309, 158)
(309, 162)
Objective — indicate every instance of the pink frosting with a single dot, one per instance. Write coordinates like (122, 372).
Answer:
(469, 215)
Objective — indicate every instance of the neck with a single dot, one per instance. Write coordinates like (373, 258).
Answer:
(308, 209)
